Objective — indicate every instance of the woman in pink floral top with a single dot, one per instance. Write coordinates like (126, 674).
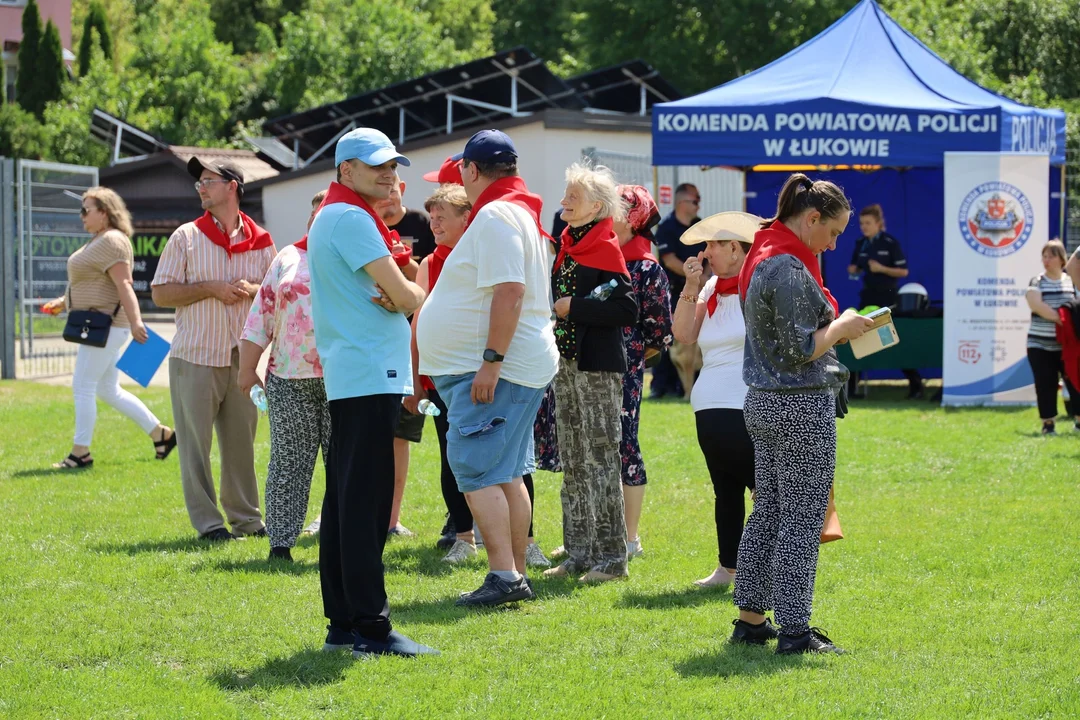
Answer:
(299, 414)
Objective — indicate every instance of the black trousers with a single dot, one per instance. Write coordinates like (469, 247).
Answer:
(356, 513)
(729, 455)
(1046, 366)
(456, 504)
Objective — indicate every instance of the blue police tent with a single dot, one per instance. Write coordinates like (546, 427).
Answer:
(870, 107)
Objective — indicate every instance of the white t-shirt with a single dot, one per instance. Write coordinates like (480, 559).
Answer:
(501, 245)
(721, 339)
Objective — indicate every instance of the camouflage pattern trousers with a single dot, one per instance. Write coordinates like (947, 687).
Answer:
(589, 427)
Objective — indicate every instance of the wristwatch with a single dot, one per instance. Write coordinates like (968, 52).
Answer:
(491, 356)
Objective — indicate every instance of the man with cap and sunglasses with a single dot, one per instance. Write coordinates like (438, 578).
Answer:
(359, 300)
(210, 270)
(486, 340)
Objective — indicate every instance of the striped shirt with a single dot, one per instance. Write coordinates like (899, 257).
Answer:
(89, 285)
(208, 330)
(1055, 293)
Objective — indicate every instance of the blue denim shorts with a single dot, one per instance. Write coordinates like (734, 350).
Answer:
(488, 444)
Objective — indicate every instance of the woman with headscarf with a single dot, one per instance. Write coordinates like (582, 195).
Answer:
(594, 301)
(795, 393)
(645, 339)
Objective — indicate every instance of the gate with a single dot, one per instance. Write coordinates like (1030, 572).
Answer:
(721, 188)
(40, 228)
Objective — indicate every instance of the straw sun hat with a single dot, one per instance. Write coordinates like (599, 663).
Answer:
(732, 225)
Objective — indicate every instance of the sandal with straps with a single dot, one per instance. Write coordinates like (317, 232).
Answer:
(80, 462)
(164, 447)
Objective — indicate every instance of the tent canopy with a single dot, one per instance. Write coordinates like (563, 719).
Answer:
(864, 91)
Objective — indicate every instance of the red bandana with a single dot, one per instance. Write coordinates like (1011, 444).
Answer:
(777, 239)
(435, 264)
(599, 249)
(512, 190)
(724, 286)
(640, 248)
(338, 193)
(255, 238)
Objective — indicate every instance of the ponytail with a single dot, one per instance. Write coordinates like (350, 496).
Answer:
(800, 193)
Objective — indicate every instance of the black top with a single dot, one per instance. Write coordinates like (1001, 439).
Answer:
(415, 230)
(886, 250)
(592, 331)
(668, 233)
(557, 224)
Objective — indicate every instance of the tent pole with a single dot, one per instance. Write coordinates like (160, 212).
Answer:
(655, 182)
(1061, 208)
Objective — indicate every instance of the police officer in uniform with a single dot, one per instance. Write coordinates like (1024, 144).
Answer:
(881, 261)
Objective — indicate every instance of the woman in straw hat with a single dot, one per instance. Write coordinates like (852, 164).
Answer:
(712, 317)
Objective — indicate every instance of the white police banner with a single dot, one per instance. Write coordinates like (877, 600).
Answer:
(997, 211)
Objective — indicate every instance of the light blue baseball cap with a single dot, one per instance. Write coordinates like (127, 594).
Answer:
(369, 146)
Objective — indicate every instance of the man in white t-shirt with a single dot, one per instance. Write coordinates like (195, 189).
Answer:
(486, 339)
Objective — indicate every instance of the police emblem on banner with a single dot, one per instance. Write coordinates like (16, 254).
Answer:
(996, 219)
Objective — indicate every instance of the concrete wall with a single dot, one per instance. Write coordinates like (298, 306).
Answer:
(544, 155)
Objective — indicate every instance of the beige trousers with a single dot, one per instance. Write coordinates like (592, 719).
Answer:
(205, 399)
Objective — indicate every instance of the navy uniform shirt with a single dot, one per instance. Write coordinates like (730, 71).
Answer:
(886, 250)
(668, 233)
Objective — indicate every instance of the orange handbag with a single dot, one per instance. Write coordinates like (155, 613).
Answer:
(831, 529)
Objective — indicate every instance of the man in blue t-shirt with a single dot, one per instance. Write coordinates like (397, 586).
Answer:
(359, 299)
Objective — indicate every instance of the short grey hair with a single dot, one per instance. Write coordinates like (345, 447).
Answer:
(598, 184)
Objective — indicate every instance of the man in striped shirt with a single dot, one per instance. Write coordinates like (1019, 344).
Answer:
(210, 270)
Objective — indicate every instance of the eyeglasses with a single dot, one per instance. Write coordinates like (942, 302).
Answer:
(200, 184)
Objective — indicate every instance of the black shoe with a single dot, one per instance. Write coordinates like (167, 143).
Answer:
(394, 644)
(338, 639)
(815, 641)
(448, 534)
(915, 393)
(1048, 429)
(747, 634)
(496, 591)
(260, 533)
(280, 553)
(219, 535)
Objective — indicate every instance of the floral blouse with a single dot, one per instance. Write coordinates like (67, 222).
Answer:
(281, 313)
(653, 328)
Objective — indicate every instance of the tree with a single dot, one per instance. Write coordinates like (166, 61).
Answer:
(548, 29)
(237, 21)
(26, 88)
(50, 74)
(21, 135)
(95, 21)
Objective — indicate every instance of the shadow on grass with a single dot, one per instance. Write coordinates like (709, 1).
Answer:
(421, 559)
(445, 611)
(307, 668)
(261, 566)
(49, 471)
(736, 660)
(681, 598)
(188, 544)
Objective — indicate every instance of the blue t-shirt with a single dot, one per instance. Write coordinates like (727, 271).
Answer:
(364, 349)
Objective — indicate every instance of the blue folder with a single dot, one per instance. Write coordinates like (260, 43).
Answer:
(141, 361)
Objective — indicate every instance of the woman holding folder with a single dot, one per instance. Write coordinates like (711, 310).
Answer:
(794, 385)
(99, 278)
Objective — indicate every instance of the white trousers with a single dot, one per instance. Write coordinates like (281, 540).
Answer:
(96, 376)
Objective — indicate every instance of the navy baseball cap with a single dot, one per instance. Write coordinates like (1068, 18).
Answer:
(369, 146)
(490, 146)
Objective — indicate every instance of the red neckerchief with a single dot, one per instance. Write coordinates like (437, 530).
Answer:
(640, 248)
(513, 190)
(599, 249)
(777, 239)
(724, 286)
(338, 193)
(435, 264)
(255, 238)
(301, 244)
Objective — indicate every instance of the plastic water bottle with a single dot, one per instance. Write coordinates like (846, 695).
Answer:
(258, 396)
(603, 292)
(426, 407)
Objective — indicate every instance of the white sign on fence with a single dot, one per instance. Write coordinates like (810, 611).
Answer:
(997, 212)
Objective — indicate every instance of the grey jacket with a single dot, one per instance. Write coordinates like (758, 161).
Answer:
(783, 308)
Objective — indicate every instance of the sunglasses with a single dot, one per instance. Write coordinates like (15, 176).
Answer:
(199, 184)
(695, 202)
(84, 211)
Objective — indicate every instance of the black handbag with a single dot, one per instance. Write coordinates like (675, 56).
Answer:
(88, 327)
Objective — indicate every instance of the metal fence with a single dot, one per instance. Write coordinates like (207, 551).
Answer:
(40, 228)
(721, 188)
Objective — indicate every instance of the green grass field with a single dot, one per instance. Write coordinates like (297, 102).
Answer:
(956, 591)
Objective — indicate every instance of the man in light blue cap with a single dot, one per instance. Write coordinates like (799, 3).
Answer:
(359, 300)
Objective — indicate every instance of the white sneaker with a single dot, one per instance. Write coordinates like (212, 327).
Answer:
(534, 557)
(313, 528)
(460, 552)
(634, 549)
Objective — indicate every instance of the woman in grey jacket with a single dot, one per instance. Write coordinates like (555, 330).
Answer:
(795, 392)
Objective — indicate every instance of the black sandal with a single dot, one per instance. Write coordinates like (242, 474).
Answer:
(164, 447)
(80, 462)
